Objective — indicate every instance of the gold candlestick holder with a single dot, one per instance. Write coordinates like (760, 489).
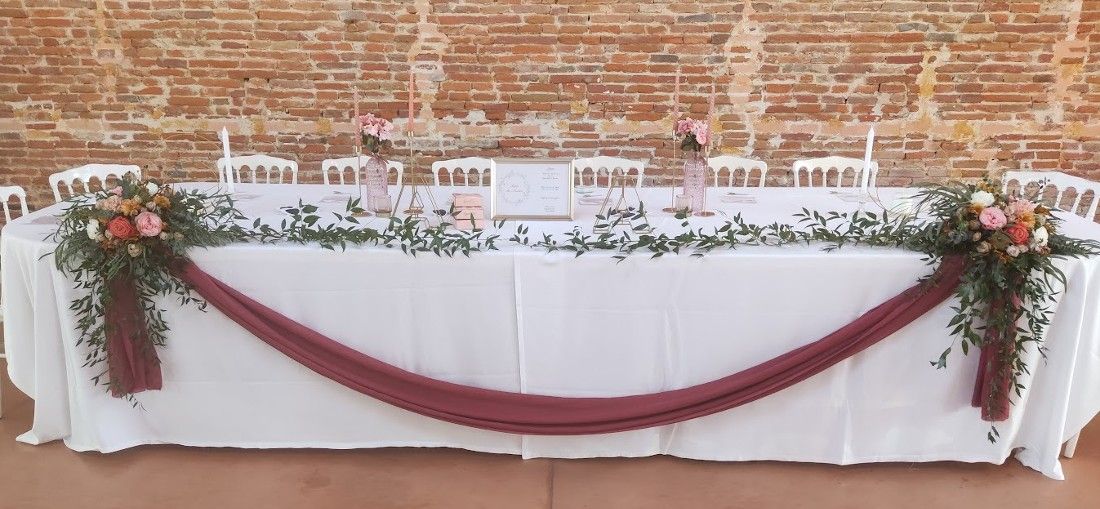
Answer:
(415, 210)
(671, 209)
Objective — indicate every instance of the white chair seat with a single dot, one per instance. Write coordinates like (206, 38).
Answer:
(86, 175)
(9, 192)
(833, 165)
(1054, 189)
(346, 165)
(589, 170)
(260, 168)
(470, 171)
(725, 170)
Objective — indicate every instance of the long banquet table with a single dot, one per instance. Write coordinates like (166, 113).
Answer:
(524, 320)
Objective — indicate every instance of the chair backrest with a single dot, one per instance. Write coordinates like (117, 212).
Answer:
(470, 171)
(840, 166)
(726, 169)
(260, 169)
(85, 175)
(6, 194)
(1053, 190)
(344, 165)
(588, 171)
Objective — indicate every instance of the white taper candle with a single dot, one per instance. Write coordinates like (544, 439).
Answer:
(229, 178)
(867, 160)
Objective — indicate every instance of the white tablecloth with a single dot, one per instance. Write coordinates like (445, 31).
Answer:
(524, 320)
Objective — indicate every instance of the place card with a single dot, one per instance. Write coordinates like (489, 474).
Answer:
(47, 219)
(738, 198)
(532, 189)
(851, 197)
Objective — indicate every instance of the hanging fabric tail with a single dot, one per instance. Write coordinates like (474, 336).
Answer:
(132, 362)
(993, 387)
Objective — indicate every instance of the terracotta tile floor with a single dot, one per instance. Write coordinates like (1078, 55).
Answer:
(169, 477)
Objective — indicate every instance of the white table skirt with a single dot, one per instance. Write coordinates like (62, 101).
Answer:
(523, 320)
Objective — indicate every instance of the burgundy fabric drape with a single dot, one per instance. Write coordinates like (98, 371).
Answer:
(993, 387)
(550, 415)
(132, 362)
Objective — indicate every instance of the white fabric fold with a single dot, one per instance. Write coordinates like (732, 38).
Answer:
(523, 320)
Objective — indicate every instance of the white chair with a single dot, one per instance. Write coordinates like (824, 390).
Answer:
(88, 173)
(466, 169)
(589, 170)
(830, 165)
(6, 194)
(347, 164)
(726, 169)
(260, 168)
(1053, 187)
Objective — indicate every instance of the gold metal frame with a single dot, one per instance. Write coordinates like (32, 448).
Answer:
(496, 215)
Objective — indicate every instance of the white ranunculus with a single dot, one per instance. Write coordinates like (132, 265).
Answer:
(152, 187)
(93, 229)
(981, 198)
(1040, 237)
(1012, 251)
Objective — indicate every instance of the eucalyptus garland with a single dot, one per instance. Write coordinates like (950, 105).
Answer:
(971, 220)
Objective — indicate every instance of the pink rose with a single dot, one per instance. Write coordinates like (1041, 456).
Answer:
(702, 133)
(992, 218)
(148, 224)
(117, 190)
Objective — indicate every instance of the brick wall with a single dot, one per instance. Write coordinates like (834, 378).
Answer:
(955, 87)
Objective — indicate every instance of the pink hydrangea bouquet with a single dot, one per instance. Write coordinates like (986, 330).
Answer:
(375, 131)
(695, 133)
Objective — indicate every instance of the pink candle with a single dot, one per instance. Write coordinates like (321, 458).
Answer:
(355, 121)
(676, 98)
(412, 92)
(710, 106)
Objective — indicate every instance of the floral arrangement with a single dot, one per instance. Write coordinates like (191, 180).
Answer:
(1010, 243)
(696, 134)
(1004, 227)
(130, 218)
(130, 235)
(375, 131)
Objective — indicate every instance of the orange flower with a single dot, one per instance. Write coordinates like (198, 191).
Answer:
(162, 201)
(130, 207)
(1018, 233)
(1027, 218)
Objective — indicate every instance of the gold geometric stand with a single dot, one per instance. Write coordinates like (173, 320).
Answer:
(619, 210)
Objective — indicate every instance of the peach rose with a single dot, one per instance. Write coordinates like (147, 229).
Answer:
(1018, 233)
(110, 203)
(121, 228)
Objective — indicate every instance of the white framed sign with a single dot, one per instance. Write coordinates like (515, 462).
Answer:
(532, 188)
